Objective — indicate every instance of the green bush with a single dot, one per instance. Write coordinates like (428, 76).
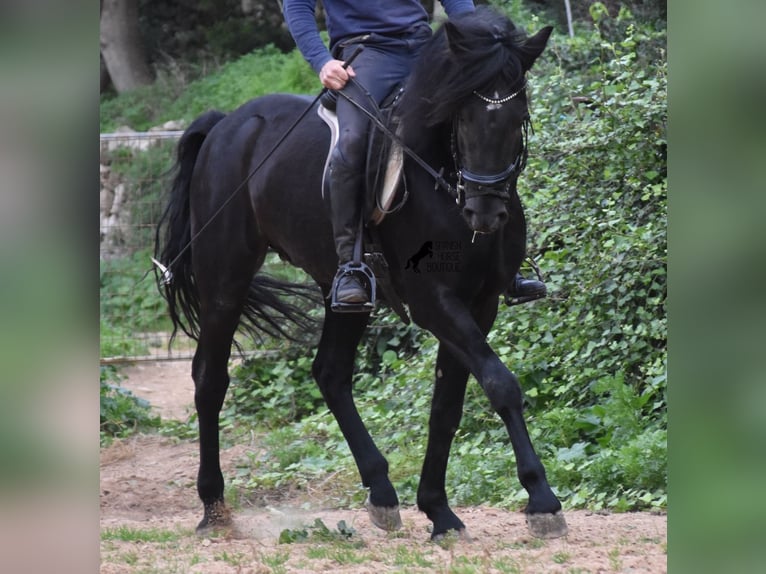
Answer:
(145, 173)
(129, 295)
(274, 390)
(122, 413)
(264, 71)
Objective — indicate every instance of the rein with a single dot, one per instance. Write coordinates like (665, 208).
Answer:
(166, 271)
(440, 181)
(487, 183)
(458, 192)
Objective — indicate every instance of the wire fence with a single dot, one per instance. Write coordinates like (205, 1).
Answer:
(134, 321)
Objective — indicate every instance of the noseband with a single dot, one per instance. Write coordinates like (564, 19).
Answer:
(493, 184)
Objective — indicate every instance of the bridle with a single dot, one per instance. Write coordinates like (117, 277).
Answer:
(497, 184)
(493, 184)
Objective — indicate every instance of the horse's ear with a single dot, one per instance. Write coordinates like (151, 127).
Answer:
(534, 46)
(454, 38)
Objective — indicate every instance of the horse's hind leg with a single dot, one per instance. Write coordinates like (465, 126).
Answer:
(223, 290)
(333, 368)
(446, 412)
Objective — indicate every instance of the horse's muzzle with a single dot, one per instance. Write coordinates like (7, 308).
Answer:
(485, 214)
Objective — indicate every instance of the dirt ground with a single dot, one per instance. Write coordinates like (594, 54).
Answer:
(149, 508)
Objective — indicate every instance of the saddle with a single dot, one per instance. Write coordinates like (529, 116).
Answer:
(385, 159)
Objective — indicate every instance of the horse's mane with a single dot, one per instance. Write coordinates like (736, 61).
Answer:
(484, 47)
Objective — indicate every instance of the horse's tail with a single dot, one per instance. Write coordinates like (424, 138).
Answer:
(270, 305)
(173, 234)
(273, 304)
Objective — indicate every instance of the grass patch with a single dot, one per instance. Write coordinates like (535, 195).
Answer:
(506, 566)
(561, 557)
(405, 556)
(153, 535)
(276, 561)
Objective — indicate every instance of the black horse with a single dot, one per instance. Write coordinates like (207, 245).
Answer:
(464, 110)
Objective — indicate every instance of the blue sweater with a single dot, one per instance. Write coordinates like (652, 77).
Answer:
(348, 18)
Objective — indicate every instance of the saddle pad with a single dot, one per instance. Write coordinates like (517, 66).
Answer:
(393, 173)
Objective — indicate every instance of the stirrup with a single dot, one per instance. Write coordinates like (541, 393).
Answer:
(361, 270)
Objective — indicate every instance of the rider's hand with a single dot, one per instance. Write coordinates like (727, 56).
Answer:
(334, 76)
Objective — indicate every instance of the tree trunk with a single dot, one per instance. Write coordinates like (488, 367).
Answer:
(121, 45)
(105, 80)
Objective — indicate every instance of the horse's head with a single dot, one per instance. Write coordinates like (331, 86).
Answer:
(489, 132)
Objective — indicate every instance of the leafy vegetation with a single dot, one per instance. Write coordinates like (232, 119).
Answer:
(265, 70)
(591, 358)
(127, 534)
(318, 532)
(130, 302)
(122, 413)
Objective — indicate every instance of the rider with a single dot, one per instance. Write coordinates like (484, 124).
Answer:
(392, 34)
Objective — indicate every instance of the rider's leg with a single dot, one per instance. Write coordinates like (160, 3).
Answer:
(346, 189)
(383, 64)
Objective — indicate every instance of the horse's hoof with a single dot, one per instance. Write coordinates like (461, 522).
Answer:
(217, 516)
(451, 537)
(547, 525)
(384, 517)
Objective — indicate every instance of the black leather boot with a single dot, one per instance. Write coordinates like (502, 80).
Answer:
(522, 287)
(349, 290)
(351, 286)
(523, 290)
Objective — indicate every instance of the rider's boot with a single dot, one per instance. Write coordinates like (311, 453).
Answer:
(523, 287)
(350, 287)
(523, 290)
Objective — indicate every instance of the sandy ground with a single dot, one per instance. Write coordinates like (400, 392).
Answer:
(148, 485)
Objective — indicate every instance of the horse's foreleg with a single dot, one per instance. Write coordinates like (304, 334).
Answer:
(504, 392)
(458, 329)
(446, 412)
(333, 368)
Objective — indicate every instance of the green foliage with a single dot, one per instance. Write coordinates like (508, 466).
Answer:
(264, 71)
(145, 174)
(129, 304)
(210, 30)
(122, 413)
(318, 532)
(596, 196)
(652, 12)
(130, 301)
(118, 341)
(275, 388)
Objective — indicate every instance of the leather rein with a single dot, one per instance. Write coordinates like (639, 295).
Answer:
(495, 184)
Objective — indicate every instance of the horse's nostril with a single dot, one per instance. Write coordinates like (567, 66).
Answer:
(502, 217)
